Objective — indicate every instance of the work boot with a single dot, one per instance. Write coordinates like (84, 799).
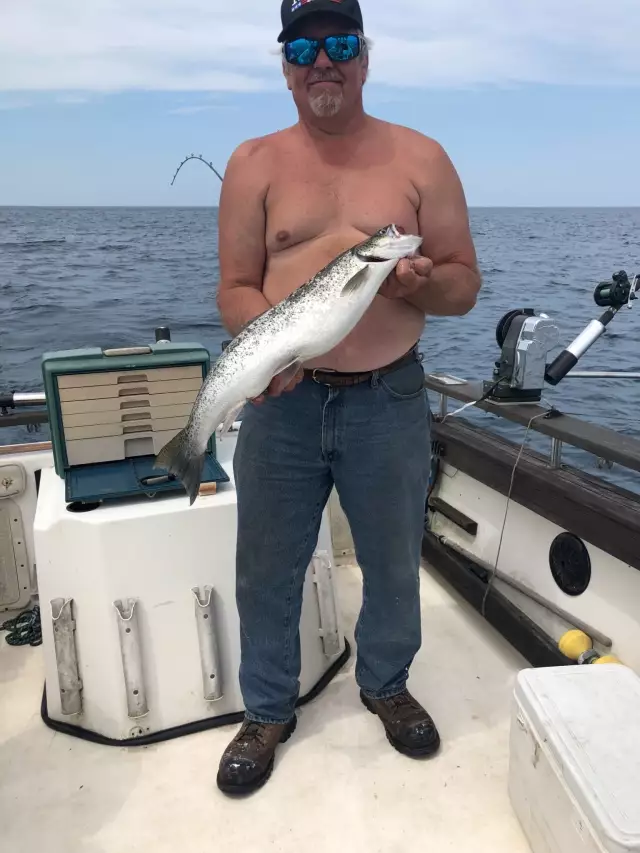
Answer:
(408, 726)
(247, 762)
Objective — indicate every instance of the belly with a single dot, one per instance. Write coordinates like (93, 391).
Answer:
(388, 328)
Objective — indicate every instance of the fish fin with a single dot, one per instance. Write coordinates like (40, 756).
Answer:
(179, 458)
(289, 371)
(230, 418)
(355, 282)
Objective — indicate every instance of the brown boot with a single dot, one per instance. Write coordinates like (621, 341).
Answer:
(408, 726)
(247, 762)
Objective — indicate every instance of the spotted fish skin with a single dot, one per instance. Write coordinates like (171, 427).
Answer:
(310, 322)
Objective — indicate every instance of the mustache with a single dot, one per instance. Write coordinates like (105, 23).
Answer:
(324, 76)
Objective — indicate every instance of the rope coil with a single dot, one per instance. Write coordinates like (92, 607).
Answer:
(25, 629)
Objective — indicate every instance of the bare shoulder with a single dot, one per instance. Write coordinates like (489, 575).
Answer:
(260, 149)
(419, 146)
(253, 162)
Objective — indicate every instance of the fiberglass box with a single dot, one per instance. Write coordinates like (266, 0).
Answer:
(112, 411)
(574, 766)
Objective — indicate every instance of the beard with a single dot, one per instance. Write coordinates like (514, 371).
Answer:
(326, 104)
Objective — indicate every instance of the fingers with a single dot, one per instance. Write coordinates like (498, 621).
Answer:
(276, 387)
(422, 266)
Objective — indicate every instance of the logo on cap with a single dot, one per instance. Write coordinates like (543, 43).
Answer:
(298, 3)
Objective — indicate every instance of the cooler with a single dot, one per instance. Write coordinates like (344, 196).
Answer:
(574, 769)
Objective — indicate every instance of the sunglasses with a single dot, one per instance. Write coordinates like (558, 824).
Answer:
(340, 48)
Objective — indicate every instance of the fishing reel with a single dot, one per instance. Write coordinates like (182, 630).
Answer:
(618, 292)
(525, 339)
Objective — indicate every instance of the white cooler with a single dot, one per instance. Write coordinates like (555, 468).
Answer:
(574, 770)
(139, 621)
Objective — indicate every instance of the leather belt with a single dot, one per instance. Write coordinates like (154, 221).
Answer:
(339, 378)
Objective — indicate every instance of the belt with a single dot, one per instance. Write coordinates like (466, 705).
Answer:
(338, 378)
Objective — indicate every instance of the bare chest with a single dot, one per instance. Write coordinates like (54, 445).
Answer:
(309, 199)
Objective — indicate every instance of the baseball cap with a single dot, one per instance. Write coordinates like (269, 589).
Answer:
(292, 11)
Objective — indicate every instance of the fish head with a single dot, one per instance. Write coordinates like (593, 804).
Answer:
(387, 244)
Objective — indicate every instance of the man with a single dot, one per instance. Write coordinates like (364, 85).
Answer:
(358, 417)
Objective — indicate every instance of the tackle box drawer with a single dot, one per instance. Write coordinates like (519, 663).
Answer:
(128, 428)
(117, 393)
(110, 404)
(117, 447)
(144, 411)
(130, 377)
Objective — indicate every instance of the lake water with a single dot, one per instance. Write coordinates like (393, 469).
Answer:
(83, 277)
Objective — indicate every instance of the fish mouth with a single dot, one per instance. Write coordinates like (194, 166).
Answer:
(390, 243)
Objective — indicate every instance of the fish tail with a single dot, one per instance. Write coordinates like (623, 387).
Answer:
(181, 458)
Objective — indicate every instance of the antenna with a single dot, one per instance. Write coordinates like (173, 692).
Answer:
(202, 160)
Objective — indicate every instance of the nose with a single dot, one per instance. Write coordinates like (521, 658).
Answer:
(322, 60)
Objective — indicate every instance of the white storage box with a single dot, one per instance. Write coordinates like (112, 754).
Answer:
(139, 621)
(574, 769)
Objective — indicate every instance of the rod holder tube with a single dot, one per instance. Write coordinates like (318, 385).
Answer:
(209, 653)
(131, 651)
(64, 643)
(332, 642)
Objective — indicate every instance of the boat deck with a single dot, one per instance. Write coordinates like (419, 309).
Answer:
(338, 784)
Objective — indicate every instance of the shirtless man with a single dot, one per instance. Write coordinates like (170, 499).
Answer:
(291, 201)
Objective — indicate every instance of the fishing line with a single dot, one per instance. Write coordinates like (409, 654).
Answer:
(511, 482)
(506, 511)
(472, 403)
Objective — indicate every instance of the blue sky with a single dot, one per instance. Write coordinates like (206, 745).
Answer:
(536, 102)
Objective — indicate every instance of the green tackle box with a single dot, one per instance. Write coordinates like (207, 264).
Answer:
(112, 410)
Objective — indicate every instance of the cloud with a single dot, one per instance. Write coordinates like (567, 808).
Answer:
(71, 100)
(194, 45)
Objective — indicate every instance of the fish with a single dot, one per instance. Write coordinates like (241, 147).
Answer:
(307, 324)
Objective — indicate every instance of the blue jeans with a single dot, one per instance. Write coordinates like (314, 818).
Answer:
(373, 442)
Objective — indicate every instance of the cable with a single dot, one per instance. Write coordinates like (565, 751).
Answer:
(472, 403)
(506, 512)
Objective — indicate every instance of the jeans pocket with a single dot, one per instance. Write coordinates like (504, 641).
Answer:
(405, 383)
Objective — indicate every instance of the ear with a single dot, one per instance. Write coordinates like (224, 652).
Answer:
(285, 72)
(365, 68)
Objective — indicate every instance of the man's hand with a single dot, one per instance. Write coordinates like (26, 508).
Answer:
(409, 277)
(281, 383)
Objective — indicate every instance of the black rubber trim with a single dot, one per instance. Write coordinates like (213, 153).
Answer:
(470, 580)
(458, 518)
(187, 728)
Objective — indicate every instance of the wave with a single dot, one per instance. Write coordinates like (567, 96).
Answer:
(31, 244)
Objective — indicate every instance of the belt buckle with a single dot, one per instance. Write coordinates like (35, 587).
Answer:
(321, 370)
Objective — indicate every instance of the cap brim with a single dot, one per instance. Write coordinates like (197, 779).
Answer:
(311, 10)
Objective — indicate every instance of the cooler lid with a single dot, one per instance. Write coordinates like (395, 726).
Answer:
(589, 718)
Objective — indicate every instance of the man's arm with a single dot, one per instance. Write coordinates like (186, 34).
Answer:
(445, 280)
(241, 238)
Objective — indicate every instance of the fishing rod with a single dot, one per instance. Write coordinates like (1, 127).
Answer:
(207, 163)
(612, 295)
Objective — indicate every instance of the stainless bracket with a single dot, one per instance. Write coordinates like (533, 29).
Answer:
(131, 651)
(69, 681)
(209, 657)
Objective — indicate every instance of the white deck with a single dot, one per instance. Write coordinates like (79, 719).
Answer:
(338, 784)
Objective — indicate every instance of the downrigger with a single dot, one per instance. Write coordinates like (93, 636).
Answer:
(526, 338)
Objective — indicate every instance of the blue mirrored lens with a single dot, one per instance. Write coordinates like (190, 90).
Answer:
(342, 48)
(301, 51)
